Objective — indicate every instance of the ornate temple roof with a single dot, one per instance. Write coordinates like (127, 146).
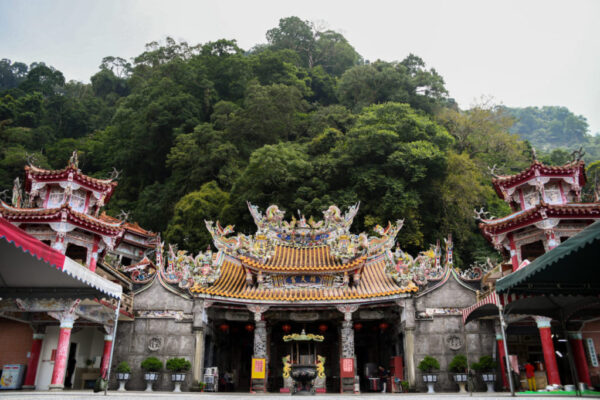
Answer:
(315, 259)
(575, 170)
(63, 213)
(300, 262)
(542, 211)
(375, 283)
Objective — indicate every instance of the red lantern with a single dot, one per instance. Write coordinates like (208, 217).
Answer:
(383, 326)
(323, 328)
(286, 328)
(358, 326)
(249, 327)
(224, 327)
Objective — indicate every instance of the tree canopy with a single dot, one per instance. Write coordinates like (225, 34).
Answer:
(301, 121)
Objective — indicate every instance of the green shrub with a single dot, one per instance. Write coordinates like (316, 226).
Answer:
(178, 365)
(428, 364)
(485, 364)
(458, 364)
(152, 364)
(123, 368)
(404, 385)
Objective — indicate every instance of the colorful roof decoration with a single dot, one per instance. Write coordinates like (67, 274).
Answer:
(318, 265)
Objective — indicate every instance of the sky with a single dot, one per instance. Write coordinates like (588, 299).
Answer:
(518, 53)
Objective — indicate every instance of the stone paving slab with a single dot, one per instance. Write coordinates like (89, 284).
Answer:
(131, 395)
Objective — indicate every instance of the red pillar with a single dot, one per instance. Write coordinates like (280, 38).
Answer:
(34, 358)
(583, 371)
(62, 353)
(94, 255)
(543, 324)
(106, 355)
(502, 358)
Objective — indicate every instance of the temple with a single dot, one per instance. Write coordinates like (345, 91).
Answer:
(547, 210)
(235, 308)
(298, 296)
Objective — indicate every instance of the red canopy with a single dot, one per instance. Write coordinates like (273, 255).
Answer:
(31, 245)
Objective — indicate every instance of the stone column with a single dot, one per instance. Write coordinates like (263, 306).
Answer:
(408, 328)
(260, 344)
(347, 341)
(579, 357)
(501, 357)
(62, 349)
(198, 327)
(34, 359)
(543, 324)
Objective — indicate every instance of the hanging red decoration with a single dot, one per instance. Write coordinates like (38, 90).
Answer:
(286, 328)
(323, 328)
(358, 326)
(224, 327)
(383, 326)
(249, 327)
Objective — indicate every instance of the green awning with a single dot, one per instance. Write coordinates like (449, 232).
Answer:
(572, 268)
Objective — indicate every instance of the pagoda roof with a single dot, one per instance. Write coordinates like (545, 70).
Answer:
(132, 227)
(315, 259)
(539, 169)
(71, 171)
(63, 213)
(540, 212)
(374, 284)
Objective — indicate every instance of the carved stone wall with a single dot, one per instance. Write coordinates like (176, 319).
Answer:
(439, 331)
(162, 328)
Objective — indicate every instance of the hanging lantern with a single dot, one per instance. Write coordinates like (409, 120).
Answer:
(249, 327)
(358, 326)
(224, 327)
(383, 326)
(286, 328)
(323, 328)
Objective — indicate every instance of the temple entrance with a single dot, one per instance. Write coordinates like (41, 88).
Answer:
(374, 344)
(233, 346)
(329, 349)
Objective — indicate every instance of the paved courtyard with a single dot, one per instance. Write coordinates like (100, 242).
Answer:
(72, 395)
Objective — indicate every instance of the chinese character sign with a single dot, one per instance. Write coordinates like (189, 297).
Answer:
(347, 368)
(258, 368)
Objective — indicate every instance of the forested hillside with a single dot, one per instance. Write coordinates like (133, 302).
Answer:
(555, 131)
(301, 121)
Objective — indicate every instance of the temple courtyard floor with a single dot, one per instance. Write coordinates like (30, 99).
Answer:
(73, 395)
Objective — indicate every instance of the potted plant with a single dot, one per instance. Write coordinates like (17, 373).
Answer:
(151, 367)
(123, 374)
(427, 366)
(458, 367)
(178, 368)
(487, 368)
(201, 386)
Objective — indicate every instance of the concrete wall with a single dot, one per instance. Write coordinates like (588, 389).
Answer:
(176, 336)
(435, 337)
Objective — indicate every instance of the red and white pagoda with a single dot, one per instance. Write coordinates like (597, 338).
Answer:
(62, 208)
(547, 210)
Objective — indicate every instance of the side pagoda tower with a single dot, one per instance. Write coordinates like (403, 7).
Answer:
(547, 209)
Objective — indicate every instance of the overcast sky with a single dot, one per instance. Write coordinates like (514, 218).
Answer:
(521, 53)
